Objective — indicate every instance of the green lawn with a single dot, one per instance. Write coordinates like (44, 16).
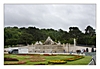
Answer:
(83, 61)
(27, 58)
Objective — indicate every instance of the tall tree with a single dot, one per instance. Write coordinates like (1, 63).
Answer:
(25, 38)
(74, 32)
(89, 31)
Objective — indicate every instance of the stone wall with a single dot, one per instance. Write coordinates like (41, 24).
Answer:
(46, 49)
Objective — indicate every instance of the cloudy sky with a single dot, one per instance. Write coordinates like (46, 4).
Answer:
(56, 16)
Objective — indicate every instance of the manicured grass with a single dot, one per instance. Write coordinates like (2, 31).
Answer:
(57, 57)
(83, 61)
(28, 58)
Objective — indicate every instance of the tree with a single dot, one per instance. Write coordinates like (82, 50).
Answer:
(74, 32)
(15, 35)
(11, 35)
(89, 31)
(11, 42)
(25, 38)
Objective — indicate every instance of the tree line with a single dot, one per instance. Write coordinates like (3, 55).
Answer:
(14, 35)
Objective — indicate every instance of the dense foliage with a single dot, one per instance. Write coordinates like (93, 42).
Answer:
(14, 35)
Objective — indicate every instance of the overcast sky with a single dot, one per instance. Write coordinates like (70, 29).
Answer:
(56, 16)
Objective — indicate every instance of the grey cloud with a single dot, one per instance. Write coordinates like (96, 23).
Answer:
(54, 16)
